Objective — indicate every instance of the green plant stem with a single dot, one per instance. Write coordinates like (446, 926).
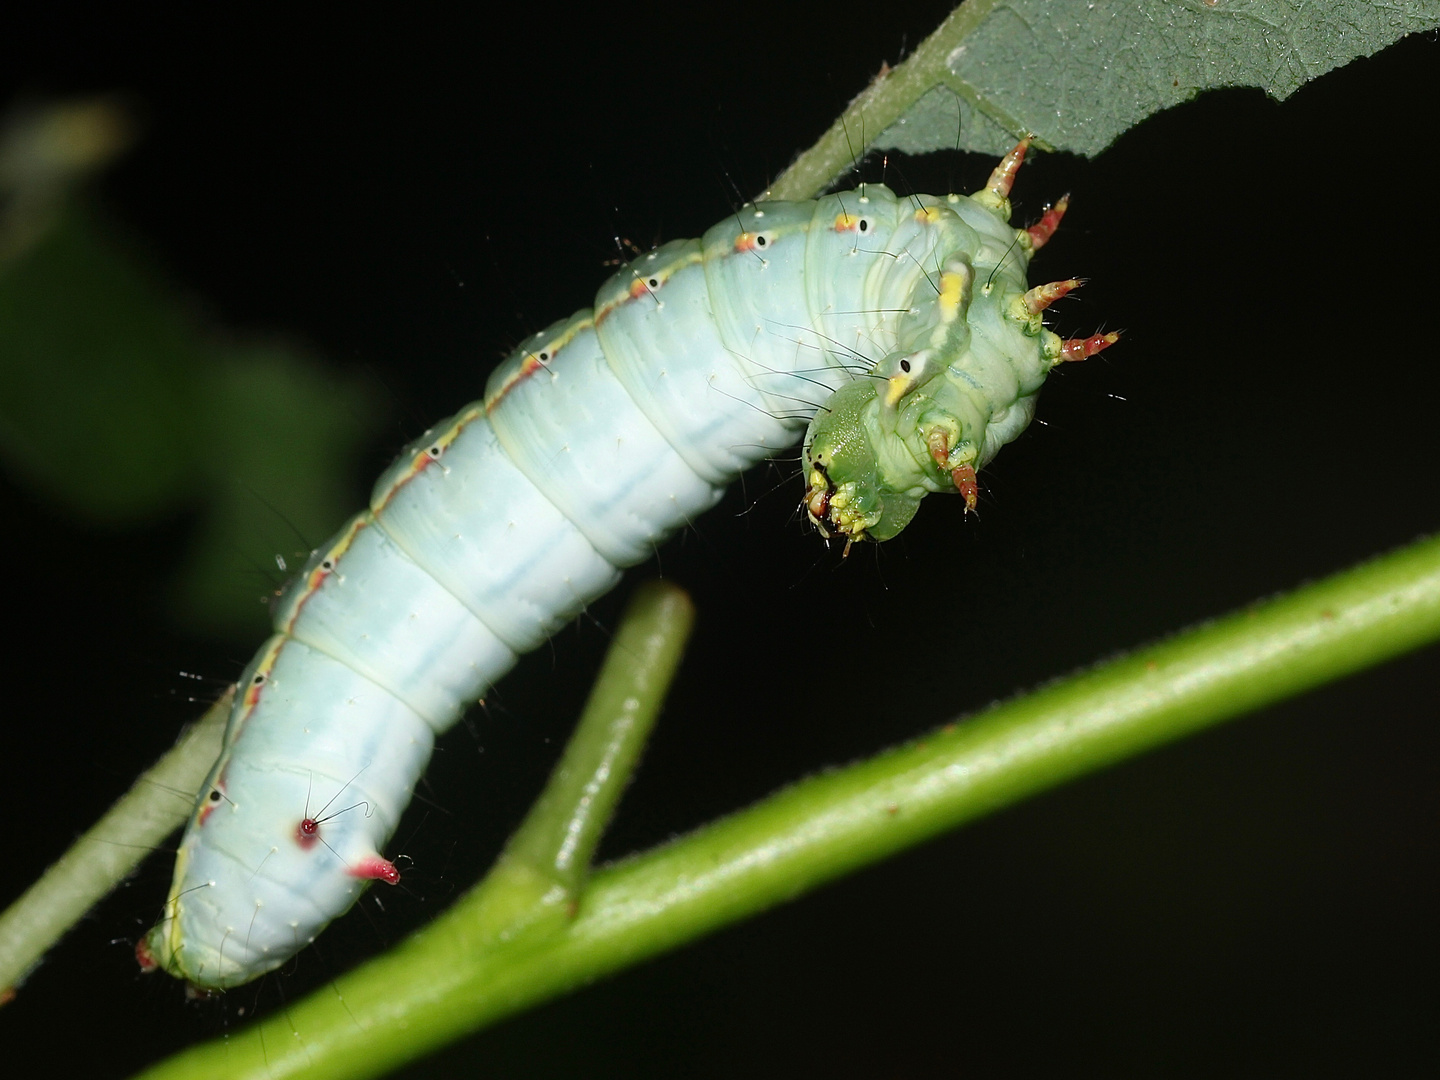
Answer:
(537, 880)
(878, 106)
(450, 978)
(155, 806)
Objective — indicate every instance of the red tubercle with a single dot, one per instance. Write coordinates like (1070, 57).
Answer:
(1044, 229)
(144, 957)
(1042, 296)
(373, 867)
(307, 832)
(963, 477)
(1003, 178)
(1084, 348)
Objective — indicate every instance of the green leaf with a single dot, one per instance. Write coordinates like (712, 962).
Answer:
(97, 363)
(1081, 74)
(119, 407)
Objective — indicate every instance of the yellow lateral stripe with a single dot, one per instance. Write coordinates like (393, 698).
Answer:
(537, 360)
(644, 285)
(327, 566)
(429, 454)
(250, 697)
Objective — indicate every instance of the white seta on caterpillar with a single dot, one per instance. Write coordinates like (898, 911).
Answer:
(595, 440)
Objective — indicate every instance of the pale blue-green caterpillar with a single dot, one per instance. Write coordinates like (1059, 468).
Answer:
(595, 440)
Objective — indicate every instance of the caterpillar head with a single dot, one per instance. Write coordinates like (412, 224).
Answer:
(973, 354)
(925, 420)
(862, 480)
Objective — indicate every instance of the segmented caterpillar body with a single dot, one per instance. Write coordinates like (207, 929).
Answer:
(595, 440)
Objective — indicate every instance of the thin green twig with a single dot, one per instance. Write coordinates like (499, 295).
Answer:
(540, 876)
(878, 106)
(154, 807)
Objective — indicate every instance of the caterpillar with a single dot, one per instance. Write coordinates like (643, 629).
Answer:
(900, 335)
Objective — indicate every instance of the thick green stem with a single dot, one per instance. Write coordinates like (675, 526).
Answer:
(454, 976)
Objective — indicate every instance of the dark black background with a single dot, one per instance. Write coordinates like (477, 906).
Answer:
(410, 196)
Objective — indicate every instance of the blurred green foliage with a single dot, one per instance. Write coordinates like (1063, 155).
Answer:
(122, 409)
